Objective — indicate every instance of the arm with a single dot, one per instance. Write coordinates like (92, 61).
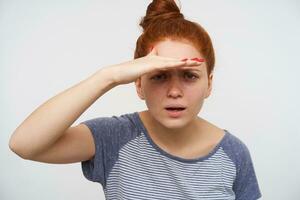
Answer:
(45, 135)
(49, 122)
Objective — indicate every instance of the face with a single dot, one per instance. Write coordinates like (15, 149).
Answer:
(188, 87)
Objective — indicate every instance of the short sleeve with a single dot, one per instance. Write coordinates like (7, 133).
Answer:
(94, 169)
(109, 134)
(245, 185)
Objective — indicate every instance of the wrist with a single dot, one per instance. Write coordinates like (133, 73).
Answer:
(110, 75)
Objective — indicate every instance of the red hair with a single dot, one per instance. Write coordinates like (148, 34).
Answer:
(163, 21)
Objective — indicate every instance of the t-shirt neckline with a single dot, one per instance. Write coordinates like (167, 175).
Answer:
(185, 160)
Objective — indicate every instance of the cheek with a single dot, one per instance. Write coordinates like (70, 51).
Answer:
(150, 89)
(153, 95)
(195, 94)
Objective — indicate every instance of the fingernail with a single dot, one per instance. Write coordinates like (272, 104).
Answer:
(198, 59)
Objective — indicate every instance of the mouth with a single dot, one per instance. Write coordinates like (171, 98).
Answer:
(175, 108)
(175, 112)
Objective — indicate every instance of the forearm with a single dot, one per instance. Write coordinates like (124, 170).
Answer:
(50, 120)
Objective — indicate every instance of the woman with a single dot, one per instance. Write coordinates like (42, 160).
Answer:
(165, 152)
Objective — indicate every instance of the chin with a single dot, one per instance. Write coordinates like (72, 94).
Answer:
(171, 123)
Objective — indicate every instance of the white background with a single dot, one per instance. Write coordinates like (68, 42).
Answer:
(49, 46)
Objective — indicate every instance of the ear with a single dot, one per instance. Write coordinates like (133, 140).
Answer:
(138, 87)
(210, 80)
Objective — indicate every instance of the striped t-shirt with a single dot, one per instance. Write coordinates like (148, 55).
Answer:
(129, 165)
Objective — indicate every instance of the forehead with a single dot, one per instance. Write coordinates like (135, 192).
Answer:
(177, 49)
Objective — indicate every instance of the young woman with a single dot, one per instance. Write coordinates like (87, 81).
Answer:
(164, 152)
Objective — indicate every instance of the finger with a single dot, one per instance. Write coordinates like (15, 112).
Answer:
(189, 67)
(185, 65)
(193, 62)
(183, 62)
(173, 64)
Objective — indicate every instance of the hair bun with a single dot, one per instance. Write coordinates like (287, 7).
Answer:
(161, 10)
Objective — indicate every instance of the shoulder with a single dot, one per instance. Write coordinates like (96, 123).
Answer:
(236, 149)
(230, 141)
(115, 121)
(116, 126)
(234, 142)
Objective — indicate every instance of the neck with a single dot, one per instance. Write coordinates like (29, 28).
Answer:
(172, 138)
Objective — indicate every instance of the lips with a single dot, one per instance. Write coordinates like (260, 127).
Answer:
(175, 111)
(175, 107)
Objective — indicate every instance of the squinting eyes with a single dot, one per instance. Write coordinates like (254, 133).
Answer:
(163, 76)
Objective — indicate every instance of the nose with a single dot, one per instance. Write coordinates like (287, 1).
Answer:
(174, 88)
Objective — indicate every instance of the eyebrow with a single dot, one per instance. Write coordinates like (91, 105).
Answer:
(182, 70)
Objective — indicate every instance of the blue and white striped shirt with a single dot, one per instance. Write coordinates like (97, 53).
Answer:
(129, 165)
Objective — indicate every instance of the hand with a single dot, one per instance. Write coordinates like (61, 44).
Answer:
(128, 72)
